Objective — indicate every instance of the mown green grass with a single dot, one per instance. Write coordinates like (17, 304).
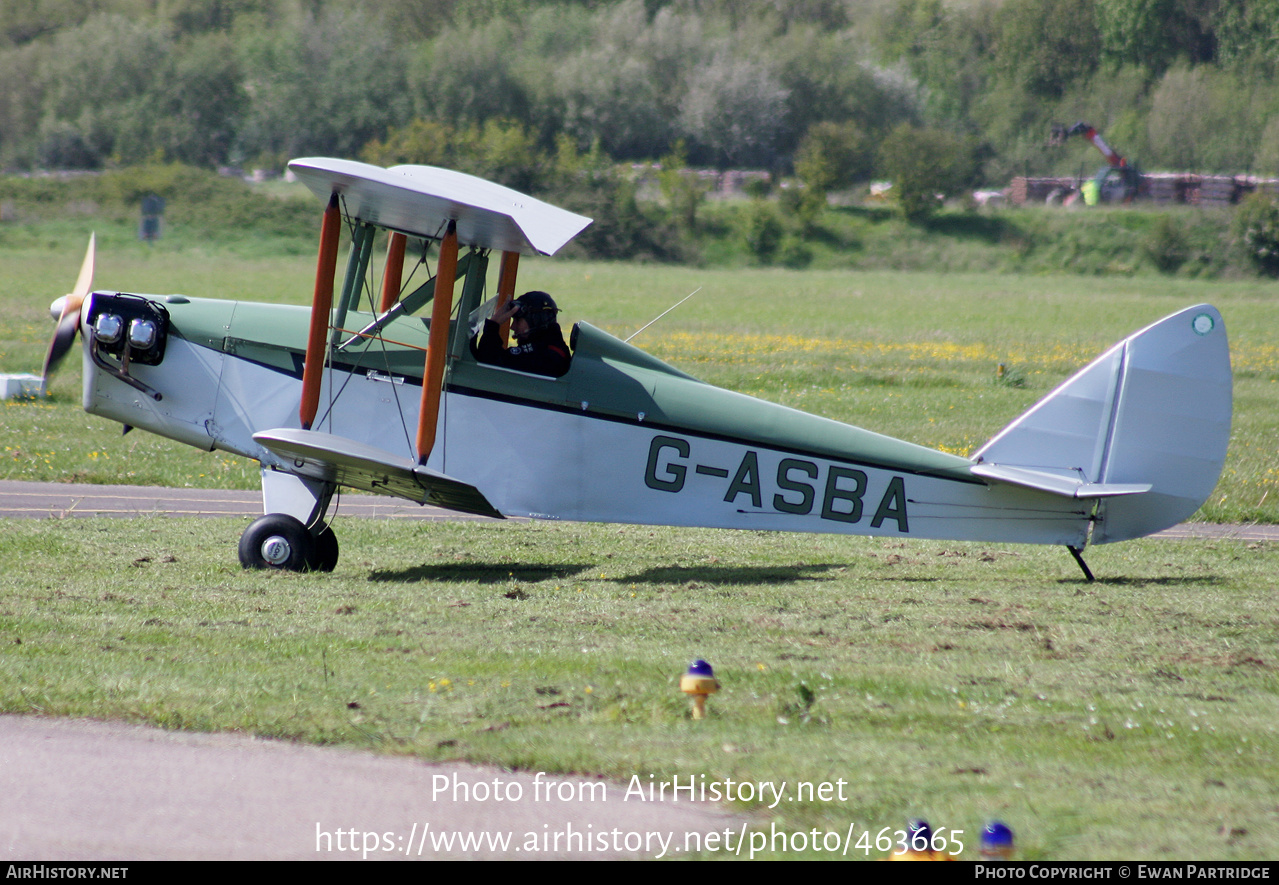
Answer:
(1131, 718)
(913, 355)
(1134, 717)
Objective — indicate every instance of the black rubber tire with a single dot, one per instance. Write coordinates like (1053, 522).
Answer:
(325, 549)
(277, 541)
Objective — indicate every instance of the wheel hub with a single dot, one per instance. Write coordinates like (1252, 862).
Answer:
(276, 550)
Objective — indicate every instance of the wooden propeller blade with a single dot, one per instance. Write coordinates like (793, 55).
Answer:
(84, 282)
(69, 321)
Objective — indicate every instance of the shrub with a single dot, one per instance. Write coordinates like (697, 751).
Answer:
(925, 165)
(764, 231)
(833, 156)
(1166, 245)
(795, 253)
(1257, 227)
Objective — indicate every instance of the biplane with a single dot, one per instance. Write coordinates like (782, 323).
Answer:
(375, 387)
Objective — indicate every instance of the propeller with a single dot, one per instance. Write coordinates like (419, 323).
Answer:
(67, 312)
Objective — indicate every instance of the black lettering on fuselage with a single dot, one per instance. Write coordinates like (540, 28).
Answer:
(797, 481)
(746, 480)
(672, 479)
(834, 492)
(895, 494)
(805, 503)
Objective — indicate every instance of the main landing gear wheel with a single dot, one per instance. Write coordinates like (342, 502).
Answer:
(326, 549)
(279, 541)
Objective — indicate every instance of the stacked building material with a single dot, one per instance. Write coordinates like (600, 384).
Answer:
(1217, 190)
(1037, 190)
(1164, 188)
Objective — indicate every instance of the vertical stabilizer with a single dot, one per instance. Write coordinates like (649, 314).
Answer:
(1153, 410)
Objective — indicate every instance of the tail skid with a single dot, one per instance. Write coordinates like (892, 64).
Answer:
(1142, 430)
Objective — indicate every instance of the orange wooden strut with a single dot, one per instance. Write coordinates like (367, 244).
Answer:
(321, 306)
(506, 284)
(394, 271)
(437, 345)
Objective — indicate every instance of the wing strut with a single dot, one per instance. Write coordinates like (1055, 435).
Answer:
(410, 304)
(356, 267)
(393, 271)
(506, 284)
(321, 305)
(437, 345)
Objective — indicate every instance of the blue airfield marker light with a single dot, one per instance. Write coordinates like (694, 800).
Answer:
(997, 841)
(698, 683)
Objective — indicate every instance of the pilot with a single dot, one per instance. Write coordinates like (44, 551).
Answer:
(539, 346)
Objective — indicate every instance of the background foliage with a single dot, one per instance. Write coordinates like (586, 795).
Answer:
(1178, 83)
(608, 106)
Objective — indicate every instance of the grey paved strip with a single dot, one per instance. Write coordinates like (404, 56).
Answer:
(104, 791)
(43, 500)
(1250, 532)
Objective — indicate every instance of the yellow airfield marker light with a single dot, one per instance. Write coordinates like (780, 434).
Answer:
(698, 683)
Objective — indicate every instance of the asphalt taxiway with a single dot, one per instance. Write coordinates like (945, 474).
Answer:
(44, 500)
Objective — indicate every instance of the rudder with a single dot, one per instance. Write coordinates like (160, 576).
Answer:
(1154, 410)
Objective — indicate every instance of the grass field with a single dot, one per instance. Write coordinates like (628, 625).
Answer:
(1131, 718)
(1135, 717)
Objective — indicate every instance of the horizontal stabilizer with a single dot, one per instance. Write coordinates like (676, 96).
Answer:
(422, 200)
(1143, 429)
(337, 459)
(1066, 486)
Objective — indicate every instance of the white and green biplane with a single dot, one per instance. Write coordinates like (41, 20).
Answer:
(365, 389)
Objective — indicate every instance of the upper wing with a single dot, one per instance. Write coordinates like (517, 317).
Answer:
(421, 200)
(339, 460)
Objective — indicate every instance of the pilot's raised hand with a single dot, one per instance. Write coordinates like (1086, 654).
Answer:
(505, 312)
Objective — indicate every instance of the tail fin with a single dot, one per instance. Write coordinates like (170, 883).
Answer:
(1143, 428)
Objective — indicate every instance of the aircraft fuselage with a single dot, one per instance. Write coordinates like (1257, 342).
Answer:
(621, 438)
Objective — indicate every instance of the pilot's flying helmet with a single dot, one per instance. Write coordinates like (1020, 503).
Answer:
(538, 309)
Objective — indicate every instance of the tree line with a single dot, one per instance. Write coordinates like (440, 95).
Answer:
(825, 87)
